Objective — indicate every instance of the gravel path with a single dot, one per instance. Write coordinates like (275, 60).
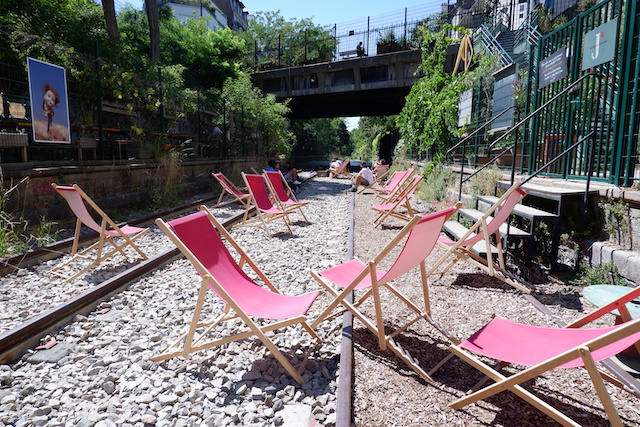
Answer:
(107, 378)
(388, 393)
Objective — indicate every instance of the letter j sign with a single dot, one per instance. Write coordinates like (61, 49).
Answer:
(600, 45)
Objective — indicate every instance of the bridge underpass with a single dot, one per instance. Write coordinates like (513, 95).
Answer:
(365, 86)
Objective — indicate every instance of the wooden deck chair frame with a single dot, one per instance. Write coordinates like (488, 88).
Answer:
(391, 191)
(402, 199)
(282, 195)
(369, 278)
(266, 211)
(485, 227)
(343, 169)
(76, 198)
(377, 181)
(235, 195)
(586, 353)
(193, 342)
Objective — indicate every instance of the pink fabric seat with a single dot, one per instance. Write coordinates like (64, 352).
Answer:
(284, 196)
(235, 195)
(266, 212)
(396, 201)
(107, 230)
(487, 227)
(541, 349)
(536, 344)
(198, 236)
(420, 236)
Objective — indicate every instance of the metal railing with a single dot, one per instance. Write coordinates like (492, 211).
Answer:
(483, 34)
(591, 135)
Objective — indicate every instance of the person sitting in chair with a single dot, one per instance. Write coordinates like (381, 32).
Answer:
(334, 166)
(364, 177)
(290, 175)
(381, 168)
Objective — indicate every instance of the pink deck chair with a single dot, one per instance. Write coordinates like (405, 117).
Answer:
(281, 192)
(198, 238)
(343, 170)
(107, 229)
(402, 199)
(395, 185)
(266, 212)
(543, 349)
(482, 231)
(420, 236)
(232, 193)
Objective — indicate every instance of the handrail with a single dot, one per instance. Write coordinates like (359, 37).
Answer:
(472, 134)
(591, 146)
(464, 146)
(491, 42)
(528, 117)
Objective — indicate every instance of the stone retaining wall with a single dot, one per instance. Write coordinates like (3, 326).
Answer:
(111, 186)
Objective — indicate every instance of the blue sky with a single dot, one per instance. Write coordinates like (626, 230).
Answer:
(324, 12)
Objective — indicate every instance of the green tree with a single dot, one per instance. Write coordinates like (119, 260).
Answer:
(209, 57)
(429, 118)
(322, 137)
(369, 132)
(270, 38)
(245, 100)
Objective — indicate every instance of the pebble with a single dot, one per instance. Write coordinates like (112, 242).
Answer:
(108, 378)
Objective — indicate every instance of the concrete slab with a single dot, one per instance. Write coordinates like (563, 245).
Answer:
(295, 415)
(53, 355)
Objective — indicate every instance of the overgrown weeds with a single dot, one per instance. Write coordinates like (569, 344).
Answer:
(435, 187)
(606, 273)
(13, 236)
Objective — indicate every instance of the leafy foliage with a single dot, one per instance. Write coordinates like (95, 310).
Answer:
(322, 136)
(268, 34)
(430, 116)
(244, 99)
(370, 131)
(606, 273)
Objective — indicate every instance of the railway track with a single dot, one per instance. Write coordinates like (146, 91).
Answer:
(18, 340)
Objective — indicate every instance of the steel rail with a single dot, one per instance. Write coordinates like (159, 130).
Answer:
(26, 335)
(54, 250)
(17, 340)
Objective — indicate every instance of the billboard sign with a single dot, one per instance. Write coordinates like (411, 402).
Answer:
(49, 102)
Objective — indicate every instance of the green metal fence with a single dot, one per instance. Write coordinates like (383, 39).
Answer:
(572, 115)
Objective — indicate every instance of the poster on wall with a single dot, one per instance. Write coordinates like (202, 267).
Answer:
(49, 102)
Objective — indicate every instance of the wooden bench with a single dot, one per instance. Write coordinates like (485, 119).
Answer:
(348, 53)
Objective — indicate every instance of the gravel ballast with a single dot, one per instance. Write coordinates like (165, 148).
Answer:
(105, 377)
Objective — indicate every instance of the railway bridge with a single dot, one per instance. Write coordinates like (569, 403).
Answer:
(362, 86)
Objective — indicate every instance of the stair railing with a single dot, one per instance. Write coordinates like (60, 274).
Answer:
(464, 140)
(489, 41)
(590, 144)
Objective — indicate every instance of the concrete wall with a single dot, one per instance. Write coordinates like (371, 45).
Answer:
(112, 186)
